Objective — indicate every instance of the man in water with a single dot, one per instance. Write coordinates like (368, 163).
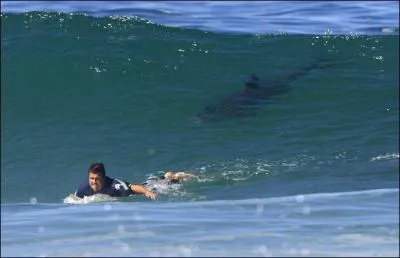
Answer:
(168, 178)
(99, 183)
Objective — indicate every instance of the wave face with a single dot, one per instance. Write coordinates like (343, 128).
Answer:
(317, 159)
(360, 223)
(257, 17)
(78, 88)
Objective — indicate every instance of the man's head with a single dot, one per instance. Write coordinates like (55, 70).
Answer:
(96, 173)
(169, 175)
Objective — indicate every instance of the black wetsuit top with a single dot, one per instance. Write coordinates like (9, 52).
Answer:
(112, 187)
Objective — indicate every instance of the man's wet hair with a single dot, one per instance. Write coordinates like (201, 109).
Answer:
(98, 168)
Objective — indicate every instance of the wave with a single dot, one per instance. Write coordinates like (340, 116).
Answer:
(299, 198)
(137, 86)
(295, 198)
(238, 17)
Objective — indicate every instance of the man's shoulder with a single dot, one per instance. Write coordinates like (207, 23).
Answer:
(84, 185)
(83, 189)
(114, 183)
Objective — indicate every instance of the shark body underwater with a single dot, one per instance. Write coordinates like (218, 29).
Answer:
(255, 94)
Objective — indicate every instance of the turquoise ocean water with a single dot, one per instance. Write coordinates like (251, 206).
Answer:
(310, 171)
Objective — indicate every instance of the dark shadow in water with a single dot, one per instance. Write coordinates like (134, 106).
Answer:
(255, 94)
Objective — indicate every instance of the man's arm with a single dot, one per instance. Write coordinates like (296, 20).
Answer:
(183, 175)
(177, 175)
(83, 190)
(142, 190)
(78, 194)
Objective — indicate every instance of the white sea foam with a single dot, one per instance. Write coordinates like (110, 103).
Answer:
(72, 199)
(321, 224)
(295, 199)
(386, 156)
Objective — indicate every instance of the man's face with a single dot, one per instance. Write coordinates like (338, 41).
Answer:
(96, 181)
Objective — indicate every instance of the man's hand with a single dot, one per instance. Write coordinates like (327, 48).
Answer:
(151, 195)
(140, 189)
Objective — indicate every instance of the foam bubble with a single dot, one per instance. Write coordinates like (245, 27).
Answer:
(259, 209)
(388, 30)
(185, 251)
(33, 200)
(263, 250)
(305, 252)
(125, 248)
(306, 210)
(40, 229)
(299, 198)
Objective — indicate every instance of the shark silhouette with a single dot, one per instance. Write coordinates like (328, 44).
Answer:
(255, 94)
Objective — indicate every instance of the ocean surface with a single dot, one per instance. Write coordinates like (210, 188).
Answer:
(305, 164)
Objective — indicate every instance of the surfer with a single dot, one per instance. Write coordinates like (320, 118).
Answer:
(168, 178)
(99, 183)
